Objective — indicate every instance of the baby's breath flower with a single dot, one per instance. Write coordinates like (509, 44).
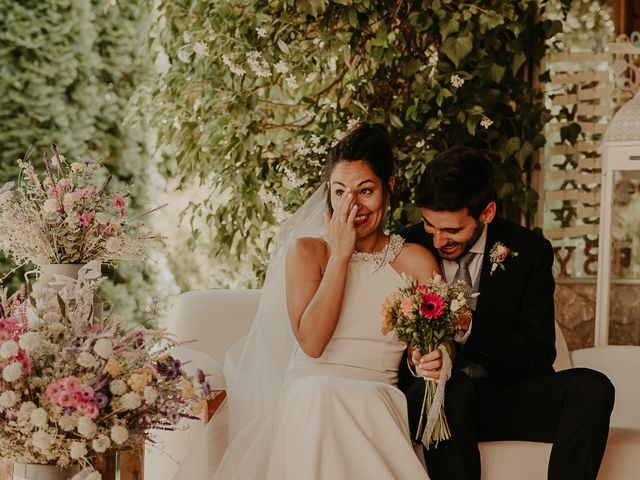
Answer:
(12, 372)
(9, 349)
(119, 434)
(486, 122)
(78, 450)
(456, 81)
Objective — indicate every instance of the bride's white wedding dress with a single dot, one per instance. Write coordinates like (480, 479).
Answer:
(341, 415)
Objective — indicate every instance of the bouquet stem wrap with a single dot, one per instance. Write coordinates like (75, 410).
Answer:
(435, 428)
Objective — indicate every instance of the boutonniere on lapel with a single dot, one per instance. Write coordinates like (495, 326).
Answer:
(498, 254)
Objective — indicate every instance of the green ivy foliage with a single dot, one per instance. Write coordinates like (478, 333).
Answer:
(255, 92)
(67, 72)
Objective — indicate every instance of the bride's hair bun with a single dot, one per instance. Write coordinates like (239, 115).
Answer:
(367, 142)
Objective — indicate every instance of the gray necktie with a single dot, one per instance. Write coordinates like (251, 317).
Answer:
(464, 274)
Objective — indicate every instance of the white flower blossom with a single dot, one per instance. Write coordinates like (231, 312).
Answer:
(67, 423)
(101, 443)
(293, 180)
(201, 49)
(258, 65)
(86, 427)
(78, 450)
(184, 55)
(119, 434)
(50, 205)
(104, 348)
(118, 387)
(39, 418)
(311, 77)
(29, 341)
(113, 244)
(314, 139)
(235, 69)
(150, 394)
(262, 32)
(351, 87)
(456, 81)
(12, 372)
(8, 399)
(420, 144)
(9, 349)
(41, 440)
(486, 122)
(281, 67)
(85, 359)
(352, 123)
(186, 37)
(292, 83)
(130, 401)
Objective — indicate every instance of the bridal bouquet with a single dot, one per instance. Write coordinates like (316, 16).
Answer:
(73, 386)
(68, 216)
(428, 317)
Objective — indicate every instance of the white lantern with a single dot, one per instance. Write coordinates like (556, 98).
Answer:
(619, 243)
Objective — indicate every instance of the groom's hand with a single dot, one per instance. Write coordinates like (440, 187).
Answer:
(429, 365)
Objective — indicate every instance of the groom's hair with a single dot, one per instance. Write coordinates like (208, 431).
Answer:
(365, 142)
(458, 178)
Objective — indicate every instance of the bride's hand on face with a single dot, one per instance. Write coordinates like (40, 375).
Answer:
(340, 227)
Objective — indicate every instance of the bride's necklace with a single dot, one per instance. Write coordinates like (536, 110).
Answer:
(380, 257)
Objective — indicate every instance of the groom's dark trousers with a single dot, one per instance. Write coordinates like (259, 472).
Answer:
(516, 395)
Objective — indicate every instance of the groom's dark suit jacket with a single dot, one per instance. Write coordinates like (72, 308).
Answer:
(513, 333)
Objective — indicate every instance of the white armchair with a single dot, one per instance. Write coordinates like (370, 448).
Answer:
(216, 319)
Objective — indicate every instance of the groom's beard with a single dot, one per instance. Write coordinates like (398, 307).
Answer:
(463, 247)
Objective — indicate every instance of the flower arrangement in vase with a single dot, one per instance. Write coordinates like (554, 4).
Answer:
(73, 386)
(68, 216)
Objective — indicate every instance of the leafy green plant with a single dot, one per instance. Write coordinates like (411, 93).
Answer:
(254, 93)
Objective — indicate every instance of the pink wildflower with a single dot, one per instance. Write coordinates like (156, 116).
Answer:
(52, 391)
(85, 219)
(85, 393)
(432, 305)
(120, 203)
(88, 409)
(72, 383)
(67, 398)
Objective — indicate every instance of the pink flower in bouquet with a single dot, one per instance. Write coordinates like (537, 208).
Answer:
(432, 305)
(52, 391)
(56, 191)
(89, 409)
(85, 219)
(120, 203)
(85, 393)
(87, 191)
(24, 359)
(67, 398)
(406, 304)
(71, 383)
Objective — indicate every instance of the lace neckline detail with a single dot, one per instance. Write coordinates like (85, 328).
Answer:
(385, 256)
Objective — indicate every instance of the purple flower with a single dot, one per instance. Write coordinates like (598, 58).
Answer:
(100, 400)
(7, 187)
(103, 382)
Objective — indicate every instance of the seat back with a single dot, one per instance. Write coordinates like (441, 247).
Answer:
(214, 319)
(621, 363)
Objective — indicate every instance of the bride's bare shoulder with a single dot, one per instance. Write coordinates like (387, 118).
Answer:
(416, 261)
(308, 248)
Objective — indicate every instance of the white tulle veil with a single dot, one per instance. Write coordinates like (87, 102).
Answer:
(254, 369)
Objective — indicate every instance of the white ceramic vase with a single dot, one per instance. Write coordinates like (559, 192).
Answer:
(32, 471)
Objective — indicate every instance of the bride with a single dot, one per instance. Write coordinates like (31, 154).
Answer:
(319, 399)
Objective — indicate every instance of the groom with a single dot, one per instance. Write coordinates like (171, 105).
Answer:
(503, 385)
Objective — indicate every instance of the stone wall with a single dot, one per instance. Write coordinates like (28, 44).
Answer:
(576, 312)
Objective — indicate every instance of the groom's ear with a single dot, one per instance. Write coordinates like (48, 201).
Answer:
(489, 213)
(392, 183)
